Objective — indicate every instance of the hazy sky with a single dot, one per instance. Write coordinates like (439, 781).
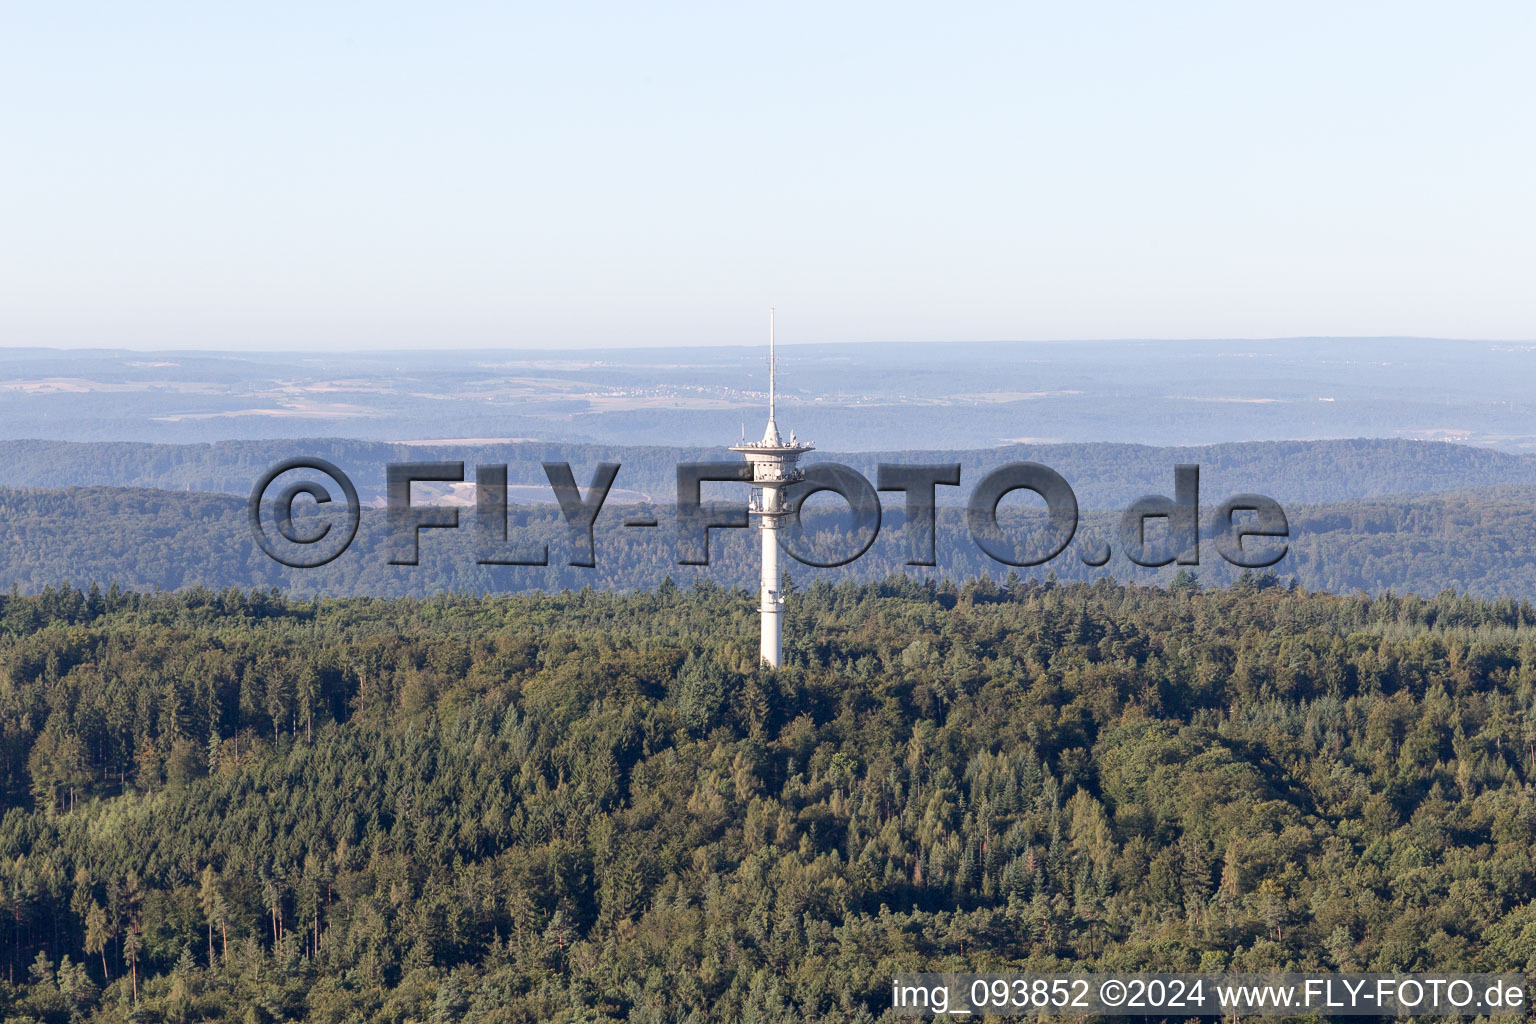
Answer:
(350, 175)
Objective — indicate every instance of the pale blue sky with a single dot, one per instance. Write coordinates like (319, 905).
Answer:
(283, 175)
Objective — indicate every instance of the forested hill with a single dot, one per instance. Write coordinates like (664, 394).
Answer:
(1482, 542)
(596, 807)
(1104, 475)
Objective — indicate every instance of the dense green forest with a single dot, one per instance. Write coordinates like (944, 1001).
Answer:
(1104, 475)
(594, 806)
(1481, 542)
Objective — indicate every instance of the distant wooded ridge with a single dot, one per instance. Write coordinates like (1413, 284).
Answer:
(1103, 475)
(1479, 541)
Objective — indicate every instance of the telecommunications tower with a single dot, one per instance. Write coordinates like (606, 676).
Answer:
(773, 468)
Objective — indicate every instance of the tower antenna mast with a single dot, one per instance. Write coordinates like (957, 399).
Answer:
(773, 365)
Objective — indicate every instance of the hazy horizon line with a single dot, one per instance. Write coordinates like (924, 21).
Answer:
(311, 353)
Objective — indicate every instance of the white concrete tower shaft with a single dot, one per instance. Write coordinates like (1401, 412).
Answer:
(771, 607)
(773, 461)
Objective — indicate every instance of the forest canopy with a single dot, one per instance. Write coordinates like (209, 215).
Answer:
(592, 806)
